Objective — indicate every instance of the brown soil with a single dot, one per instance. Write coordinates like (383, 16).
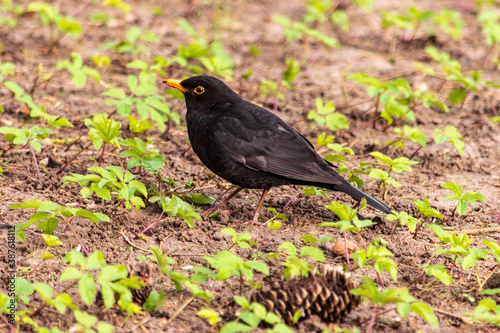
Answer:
(239, 24)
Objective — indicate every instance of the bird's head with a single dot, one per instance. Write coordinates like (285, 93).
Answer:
(203, 92)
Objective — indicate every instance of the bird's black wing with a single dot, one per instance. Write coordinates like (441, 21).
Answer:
(260, 141)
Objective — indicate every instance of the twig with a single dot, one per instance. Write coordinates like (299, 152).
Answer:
(180, 309)
(480, 231)
(68, 163)
(152, 225)
(372, 321)
(36, 162)
(45, 304)
(130, 243)
(464, 319)
(11, 328)
(68, 222)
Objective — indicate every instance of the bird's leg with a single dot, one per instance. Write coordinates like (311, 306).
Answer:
(223, 202)
(259, 206)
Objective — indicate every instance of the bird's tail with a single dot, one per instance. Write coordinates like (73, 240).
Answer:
(357, 194)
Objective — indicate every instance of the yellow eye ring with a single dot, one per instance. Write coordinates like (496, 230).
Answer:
(199, 90)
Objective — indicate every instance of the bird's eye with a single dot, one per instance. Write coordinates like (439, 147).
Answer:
(199, 90)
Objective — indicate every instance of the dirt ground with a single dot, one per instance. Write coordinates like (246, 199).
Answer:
(238, 25)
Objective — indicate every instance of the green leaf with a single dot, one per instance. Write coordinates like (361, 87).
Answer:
(51, 240)
(313, 252)
(26, 204)
(95, 261)
(138, 64)
(453, 187)
(85, 319)
(86, 286)
(70, 273)
(288, 247)
(199, 199)
(258, 266)
(75, 258)
(154, 301)
(426, 312)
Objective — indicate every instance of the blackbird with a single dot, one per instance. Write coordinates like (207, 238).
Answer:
(250, 146)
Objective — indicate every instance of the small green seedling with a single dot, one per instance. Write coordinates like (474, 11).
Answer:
(103, 131)
(325, 115)
(380, 258)
(296, 30)
(487, 311)
(268, 87)
(399, 296)
(450, 135)
(27, 137)
(141, 157)
(424, 207)
(133, 42)
(50, 16)
(79, 72)
(458, 194)
(113, 279)
(228, 265)
(295, 266)
(50, 214)
(243, 240)
(108, 181)
(36, 110)
(144, 96)
(251, 316)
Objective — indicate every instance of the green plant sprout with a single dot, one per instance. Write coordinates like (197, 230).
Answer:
(295, 266)
(36, 110)
(325, 115)
(179, 278)
(408, 133)
(322, 11)
(108, 181)
(103, 131)
(228, 265)
(381, 261)
(397, 97)
(141, 157)
(50, 214)
(405, 303)
(131, 44)
(398, 165)
(490, 25)
(50, 16)
(450, 135)
(349, 221)
(487, 311)
(79, 72)
(268, 87)
(10, 13)
(144, 96)
(243, 240)
(250, 318)
(211, 55)
(463, 198)
(296, 30)
(27, 137)
(452, 70)
(424, 207)
(403, 218)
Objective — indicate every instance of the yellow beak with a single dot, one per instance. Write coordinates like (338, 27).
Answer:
(175, 84)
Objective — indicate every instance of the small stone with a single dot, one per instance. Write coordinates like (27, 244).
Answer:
(339, 247)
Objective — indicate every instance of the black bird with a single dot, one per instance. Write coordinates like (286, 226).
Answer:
(251, 147)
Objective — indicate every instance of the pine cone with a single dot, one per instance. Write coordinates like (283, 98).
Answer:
(328, 296)
(143, 270)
